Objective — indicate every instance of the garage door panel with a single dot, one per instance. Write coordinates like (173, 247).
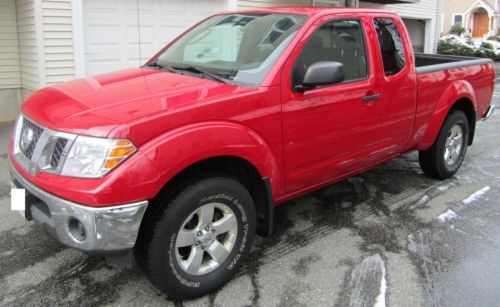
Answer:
(173, 6)
(146, 5)
(111, 39)
(100, 5)
(205, 7)
(102, 35)
(168, 33)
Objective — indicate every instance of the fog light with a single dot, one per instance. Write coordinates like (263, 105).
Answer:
(77, 230)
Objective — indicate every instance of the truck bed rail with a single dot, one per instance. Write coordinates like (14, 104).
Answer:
(426, 63)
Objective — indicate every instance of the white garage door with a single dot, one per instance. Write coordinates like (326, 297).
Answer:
(416, 29)
(111, 35)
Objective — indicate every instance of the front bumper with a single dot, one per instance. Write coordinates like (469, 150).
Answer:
(106, 230)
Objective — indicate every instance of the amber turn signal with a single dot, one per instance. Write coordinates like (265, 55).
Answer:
(121, 150)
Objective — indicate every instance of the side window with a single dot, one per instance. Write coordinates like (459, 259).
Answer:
(340, 41)
(391, 46)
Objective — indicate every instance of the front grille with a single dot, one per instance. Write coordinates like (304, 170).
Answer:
(28, 138)
(40, 149)
(58, 150)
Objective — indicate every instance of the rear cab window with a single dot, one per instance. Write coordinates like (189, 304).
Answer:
(391, 45)
(339, 40)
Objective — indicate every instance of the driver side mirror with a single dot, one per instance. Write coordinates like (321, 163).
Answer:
(321, 73)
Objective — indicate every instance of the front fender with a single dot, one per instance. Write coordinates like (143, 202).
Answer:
(457, 90)
(180, 148)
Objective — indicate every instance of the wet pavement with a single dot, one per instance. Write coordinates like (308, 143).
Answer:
(387, 237)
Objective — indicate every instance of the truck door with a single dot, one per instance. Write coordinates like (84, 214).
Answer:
(332, 130)
(397, 83)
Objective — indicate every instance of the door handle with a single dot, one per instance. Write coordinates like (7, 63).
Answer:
(371, 98)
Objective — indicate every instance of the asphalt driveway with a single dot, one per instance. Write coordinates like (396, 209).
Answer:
(386, 237)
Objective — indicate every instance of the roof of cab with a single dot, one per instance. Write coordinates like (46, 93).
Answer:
(312, 10)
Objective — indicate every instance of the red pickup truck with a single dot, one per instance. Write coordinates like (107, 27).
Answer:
(178, 163)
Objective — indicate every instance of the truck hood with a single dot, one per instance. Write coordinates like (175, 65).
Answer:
(96, 105)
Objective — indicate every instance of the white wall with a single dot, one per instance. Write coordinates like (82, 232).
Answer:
(9, 50)
(255, 4)
(10, 77)
(28, 50)
(57, 34)
(110, 33)
(36, 49)
(428, 10)
(45, 42)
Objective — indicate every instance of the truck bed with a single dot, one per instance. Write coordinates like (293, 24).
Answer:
(426, 63)
(439, 78)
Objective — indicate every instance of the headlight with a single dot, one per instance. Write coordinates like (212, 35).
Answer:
(92, 157)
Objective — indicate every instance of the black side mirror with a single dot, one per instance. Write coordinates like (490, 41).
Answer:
(322, 73)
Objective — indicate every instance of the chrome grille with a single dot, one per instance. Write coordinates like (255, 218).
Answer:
(30, 134)
(58, 151)
(39, 148)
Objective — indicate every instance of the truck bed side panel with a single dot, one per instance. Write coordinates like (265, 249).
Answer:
(438, 90)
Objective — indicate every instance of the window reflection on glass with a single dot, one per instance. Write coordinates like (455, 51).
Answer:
(241, 48)
(337, 41)
(391, 46)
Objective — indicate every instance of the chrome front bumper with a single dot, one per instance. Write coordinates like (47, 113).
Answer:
(106, 230)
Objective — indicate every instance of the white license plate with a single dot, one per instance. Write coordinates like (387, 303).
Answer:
(18, 200)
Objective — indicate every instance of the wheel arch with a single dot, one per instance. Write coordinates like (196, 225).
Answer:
(458, 96)
(219, 148)
(232, 167)
(465, 105)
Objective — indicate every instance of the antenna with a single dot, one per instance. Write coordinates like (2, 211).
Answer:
(139, 32)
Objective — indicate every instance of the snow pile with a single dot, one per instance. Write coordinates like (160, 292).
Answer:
(476, 195)
(447, 216)
(464, 41)
(454, 44)
(380, 300)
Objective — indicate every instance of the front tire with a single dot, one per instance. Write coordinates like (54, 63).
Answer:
(201, 239)
(446, 155)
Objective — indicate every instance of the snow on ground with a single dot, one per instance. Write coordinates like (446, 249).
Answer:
(476, 195)
(447, 216)
(472, 43)
(380, 300)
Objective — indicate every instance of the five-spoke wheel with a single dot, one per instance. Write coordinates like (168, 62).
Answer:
(206, 238)
(453, 145)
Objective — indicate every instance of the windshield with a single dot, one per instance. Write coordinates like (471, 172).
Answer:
(233, 48)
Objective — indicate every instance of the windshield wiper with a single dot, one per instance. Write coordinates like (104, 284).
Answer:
(196, 70)
(160, 66)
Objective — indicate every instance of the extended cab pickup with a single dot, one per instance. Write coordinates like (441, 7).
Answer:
(180, 162)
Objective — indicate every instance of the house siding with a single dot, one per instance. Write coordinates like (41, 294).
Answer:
(9, 47)
(57, 36)
(10, 76)
(470, 7)
(256, 4)
(454, 7)
(425, 9)
(28, 48)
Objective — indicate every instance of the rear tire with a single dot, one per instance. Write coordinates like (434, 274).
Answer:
(201, 239)
(446, 155)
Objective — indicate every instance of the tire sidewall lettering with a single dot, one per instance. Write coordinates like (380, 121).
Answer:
(171, 264)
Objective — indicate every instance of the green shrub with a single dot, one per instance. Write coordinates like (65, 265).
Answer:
(457, 29)
(494, 38)
(452, 46)
(487, 45)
